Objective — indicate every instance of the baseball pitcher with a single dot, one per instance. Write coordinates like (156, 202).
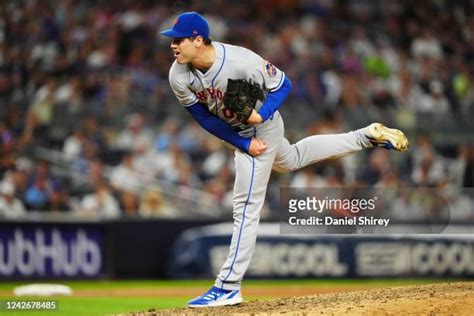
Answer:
(235, 94)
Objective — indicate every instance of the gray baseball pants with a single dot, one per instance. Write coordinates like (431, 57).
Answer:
(251, 181)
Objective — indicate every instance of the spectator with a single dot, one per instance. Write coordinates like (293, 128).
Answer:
(124, 176)
(37, 195)
(95, 174)
(10, 206)
(127, 181)
(426, 45)
(378, 165)
(73, 145)
(428, 167)
(40, 114)
(153, 205)
(308, 178)
(136, 133)
(100, 204)
(129, 203)
(434, 102)
(59, 199)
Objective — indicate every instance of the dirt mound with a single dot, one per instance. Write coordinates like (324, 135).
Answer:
(434, 299)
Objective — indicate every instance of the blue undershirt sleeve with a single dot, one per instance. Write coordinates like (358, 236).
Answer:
(275, 99)
(217, 127)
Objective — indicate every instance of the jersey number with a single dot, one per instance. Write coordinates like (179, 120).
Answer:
(228, 113)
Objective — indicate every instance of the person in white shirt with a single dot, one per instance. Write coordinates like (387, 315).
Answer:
(10, 206)
(101, 203)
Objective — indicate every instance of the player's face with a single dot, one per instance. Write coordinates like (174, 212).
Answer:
(183, 49)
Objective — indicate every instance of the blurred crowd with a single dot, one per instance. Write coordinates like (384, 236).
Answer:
(90, 127)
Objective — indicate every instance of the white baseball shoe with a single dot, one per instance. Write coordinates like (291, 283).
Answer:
(217, 297)
(388, 138)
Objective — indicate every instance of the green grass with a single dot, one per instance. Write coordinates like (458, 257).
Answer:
(106, 284)
(205, 283)
(96, 306)
(82, 306)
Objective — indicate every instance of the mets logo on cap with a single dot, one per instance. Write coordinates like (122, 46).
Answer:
(176, 21)
(269, 69)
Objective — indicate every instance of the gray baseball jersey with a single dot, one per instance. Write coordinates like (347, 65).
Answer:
(253, 173)
(191, 85)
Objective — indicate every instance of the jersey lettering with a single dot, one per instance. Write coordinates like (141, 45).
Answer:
(213, 92)
(201, 95)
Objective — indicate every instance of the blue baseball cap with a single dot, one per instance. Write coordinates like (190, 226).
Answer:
(188, 24)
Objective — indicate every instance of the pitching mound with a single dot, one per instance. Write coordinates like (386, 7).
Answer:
(433, 299)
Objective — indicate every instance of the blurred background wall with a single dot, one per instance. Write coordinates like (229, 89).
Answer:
(90, 130)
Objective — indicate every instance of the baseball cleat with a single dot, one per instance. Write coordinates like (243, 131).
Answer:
(388, 138)
(217, 297)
